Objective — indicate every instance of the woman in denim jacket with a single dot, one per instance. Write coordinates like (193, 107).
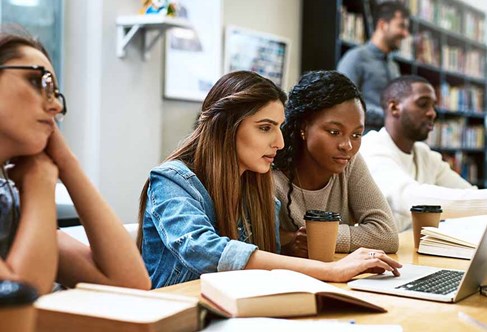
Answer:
(210, 206)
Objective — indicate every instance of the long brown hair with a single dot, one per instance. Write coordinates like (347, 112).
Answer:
(210, 152)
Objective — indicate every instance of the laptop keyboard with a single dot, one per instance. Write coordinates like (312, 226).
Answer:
(441, 282)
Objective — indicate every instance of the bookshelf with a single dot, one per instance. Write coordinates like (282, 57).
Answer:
(446, 46)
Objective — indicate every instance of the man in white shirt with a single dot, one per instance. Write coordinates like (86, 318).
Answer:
(406, 170)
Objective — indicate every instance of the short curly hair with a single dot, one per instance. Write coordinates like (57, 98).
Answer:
(399, 88)
(315, 91)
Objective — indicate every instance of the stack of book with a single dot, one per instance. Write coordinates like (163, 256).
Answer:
(457, 238)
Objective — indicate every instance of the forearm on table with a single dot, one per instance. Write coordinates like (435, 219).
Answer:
(117, 258)
(268, 261)
(33, 256)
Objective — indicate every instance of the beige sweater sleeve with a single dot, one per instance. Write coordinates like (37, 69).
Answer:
(375, 227)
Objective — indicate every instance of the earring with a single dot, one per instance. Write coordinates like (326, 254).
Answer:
(302, 135)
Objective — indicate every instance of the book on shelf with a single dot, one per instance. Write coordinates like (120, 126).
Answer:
(456, 237)
(275, 293)
(90, 307)
(474, 26)
(352, 27)
(427, 48)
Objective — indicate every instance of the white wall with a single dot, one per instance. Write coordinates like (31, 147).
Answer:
(279, 17)
(118, 124)
(479, 4)
(115, 112)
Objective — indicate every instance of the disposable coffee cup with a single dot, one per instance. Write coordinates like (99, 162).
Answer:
(17, 312)
(322, 230)
(424, 216)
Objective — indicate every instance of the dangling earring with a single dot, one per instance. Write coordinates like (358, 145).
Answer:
(302, 135)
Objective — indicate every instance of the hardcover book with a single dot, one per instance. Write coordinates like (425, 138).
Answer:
(275, 293)
(457, 238)
(90, 307)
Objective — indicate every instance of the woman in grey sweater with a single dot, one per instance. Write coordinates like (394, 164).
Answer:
(320, 167)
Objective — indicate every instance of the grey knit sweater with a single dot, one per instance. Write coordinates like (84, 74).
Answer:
(367, 218)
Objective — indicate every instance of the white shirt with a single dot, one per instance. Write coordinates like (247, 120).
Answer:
(421, 177)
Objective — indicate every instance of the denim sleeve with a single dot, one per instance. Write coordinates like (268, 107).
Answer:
(182, 220)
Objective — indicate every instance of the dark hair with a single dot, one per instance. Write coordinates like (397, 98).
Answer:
(386, 11)
(12, 37)
(399, 88)
(210, 151)
(315, 91)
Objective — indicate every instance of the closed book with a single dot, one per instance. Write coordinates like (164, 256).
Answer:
(456, 237)
(90, 307)
(275, 293)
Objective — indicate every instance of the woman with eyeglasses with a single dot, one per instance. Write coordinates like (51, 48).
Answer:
(33, 154)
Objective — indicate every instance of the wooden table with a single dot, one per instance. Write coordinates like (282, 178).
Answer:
(411, 314)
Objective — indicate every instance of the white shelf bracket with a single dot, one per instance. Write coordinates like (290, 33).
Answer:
(148, 44)
(124, 38)
(129, 26)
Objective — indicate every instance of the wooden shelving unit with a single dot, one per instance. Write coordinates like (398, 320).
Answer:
(454, 41)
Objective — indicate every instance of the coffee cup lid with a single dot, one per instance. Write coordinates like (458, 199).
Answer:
(320, 215)
(427, 208)
(13, 293)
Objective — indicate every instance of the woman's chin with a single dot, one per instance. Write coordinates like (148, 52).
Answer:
(34, 148)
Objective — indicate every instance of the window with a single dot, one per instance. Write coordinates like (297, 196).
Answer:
(43, 19)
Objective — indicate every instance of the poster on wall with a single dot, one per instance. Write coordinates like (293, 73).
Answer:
(263, 53)
(193, 57)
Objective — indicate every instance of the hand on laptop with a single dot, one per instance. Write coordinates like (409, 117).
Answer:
(364, 260)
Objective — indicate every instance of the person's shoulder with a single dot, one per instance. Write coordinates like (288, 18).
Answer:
(370, 139)
(175, 176)
(371, 135)
(357, 160)
(357, 52)
(280, 181)
(424, 151)
(422, 146)
(175, 167)
(357, 163)
(359, 49)
(7, 187)
(278, 175)
(377, 143)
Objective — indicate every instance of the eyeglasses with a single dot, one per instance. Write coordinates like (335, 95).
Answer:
(46, 86)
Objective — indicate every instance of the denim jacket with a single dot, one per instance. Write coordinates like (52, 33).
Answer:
(8, 217)
(180, 239)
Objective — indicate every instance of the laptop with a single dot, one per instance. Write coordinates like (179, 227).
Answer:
(431, 283)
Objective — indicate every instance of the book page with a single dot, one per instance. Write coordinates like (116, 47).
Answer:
(266, 282)
(465, 231)
(431, 240)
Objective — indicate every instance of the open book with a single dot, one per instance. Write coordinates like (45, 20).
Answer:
(275, 293)
(90, 307)
(456, 237)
